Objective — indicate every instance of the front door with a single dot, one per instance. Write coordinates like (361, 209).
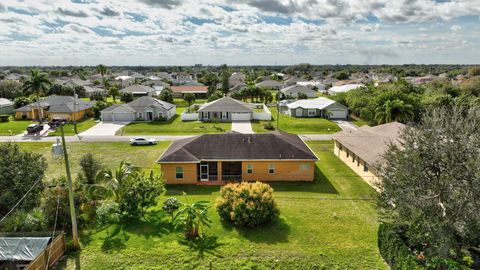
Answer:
(204, 172)
(149, 116)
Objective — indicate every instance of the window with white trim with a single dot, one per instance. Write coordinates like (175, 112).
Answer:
(140, 115)
(224, 115)
(311, 112)
(179, 172)
(271, 168)
(160, 114)
(249, 168)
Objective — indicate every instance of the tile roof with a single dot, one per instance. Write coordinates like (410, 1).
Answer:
(236, 146)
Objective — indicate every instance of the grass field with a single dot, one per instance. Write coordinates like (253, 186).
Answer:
(174, 126)
(297, 125)
(14, 127)
(68, 129)
(180, 102)
(328, 224)
(110, 153)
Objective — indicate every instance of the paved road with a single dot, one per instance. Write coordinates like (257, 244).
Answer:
(244, 127)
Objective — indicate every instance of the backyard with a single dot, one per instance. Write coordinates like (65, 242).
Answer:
(174, 126)
(297, 125)
(14, 127)
(328, 224)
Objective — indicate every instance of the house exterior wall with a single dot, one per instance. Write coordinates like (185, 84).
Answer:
(201, 116)
(71, 116)
(189, 173)
(287, 171)
(356, 164)
(8, 109)
(304, 113)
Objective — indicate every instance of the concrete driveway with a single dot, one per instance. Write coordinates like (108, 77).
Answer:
(345, 125)
(104, 129)
(244, 127)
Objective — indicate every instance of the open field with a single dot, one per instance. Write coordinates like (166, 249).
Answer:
(328, 224)
(174, 126)
(297, 125)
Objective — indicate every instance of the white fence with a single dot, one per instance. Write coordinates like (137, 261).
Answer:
(265, 115)
(189, 116)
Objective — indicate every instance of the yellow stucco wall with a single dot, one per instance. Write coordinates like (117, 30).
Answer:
(32, 115)
(189, 173)
(357, 166)
(284, 171)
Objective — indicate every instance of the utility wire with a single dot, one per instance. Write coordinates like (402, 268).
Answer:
(21, 199)
(53, 233)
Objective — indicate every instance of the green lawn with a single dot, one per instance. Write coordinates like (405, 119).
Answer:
(358, 122)
(174, 126)
(16, 127)
(328, 224)
(297, 125)
(180, 102)
(110, 153)
(68, 129)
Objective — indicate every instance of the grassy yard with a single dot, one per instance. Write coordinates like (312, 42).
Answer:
(358, 122)
(16, 127)
(180, 102)
(68, 129)
(297, 125)
(110, 153)
(174, 126)
(328, 224)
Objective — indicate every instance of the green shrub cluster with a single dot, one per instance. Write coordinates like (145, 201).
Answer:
(247, 204)
(394, 250)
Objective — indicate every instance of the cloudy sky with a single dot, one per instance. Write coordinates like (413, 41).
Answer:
(238, 32)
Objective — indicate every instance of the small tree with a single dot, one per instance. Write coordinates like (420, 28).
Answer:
(215, 95)
(114, 91)
(189, 98)
(247, 204)
(126, 97)
(166, 95)
(108, 213)
(192, 218)
(302, 96)
(89, 169)
(171, 205)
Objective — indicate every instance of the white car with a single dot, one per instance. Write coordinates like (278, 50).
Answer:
(142, 141)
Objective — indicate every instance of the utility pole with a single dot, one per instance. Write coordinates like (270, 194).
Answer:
(75, 111)
(278, 109)
(73, 216)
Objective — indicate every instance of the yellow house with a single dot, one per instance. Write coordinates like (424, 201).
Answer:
(62, 107)
(221, 158)
(363, 148)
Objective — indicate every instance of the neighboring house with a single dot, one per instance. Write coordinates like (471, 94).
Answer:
(318, 84)
(363, 148)
(138, 90)
(141, 109)
(319, 107)
(343, 88)
(295, 89)
(238, 87)
(200, 91)
(270, 84)
(225, 109)
(181, 78)
(89, 90)
(293, 81)
(236, 78)
(125, 80)
(6, 106)
(275, 156)
(72, 82)
(61, 107)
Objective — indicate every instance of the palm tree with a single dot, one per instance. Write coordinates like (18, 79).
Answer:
(102, 69)
(114, 92)
(115, 179)
(38, 82)
(192, 217)
(394, 110)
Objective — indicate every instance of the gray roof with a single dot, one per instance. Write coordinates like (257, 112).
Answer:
(297, 89)
(93, 89)
(225, 104)
(269, 83)
(141, 103)
(137, 88)
(5, 102)
(370, 143)
(58, 104)
(236, 146)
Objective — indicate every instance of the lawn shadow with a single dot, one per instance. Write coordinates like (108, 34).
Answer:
(114, 240)
(155, 224)
(321, 184)
(203, 244)
(175, 190)
(276, 231)
(62, 264)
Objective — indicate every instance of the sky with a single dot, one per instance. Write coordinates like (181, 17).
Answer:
(238, 32)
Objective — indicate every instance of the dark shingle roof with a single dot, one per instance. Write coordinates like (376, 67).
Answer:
(235, 146)
(143, 102)
(58, 104)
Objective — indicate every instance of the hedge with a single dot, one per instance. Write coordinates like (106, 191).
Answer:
(394, 250)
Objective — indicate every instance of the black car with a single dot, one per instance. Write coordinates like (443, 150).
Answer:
(34, 128)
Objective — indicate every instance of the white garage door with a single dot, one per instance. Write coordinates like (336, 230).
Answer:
(120, 117)
(338, 114)
(107, 117)
(241, 116)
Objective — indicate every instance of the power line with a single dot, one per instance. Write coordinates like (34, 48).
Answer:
(21, 199)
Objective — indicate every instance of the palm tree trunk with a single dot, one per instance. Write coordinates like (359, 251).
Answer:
(38, 108)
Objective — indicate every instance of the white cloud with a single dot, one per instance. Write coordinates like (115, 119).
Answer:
(456, 28)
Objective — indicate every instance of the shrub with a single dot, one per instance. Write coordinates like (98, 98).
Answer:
(268, 126)
(247, 204)
(393, 250)
(170, 205)
(4, 118)
(108, 213)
